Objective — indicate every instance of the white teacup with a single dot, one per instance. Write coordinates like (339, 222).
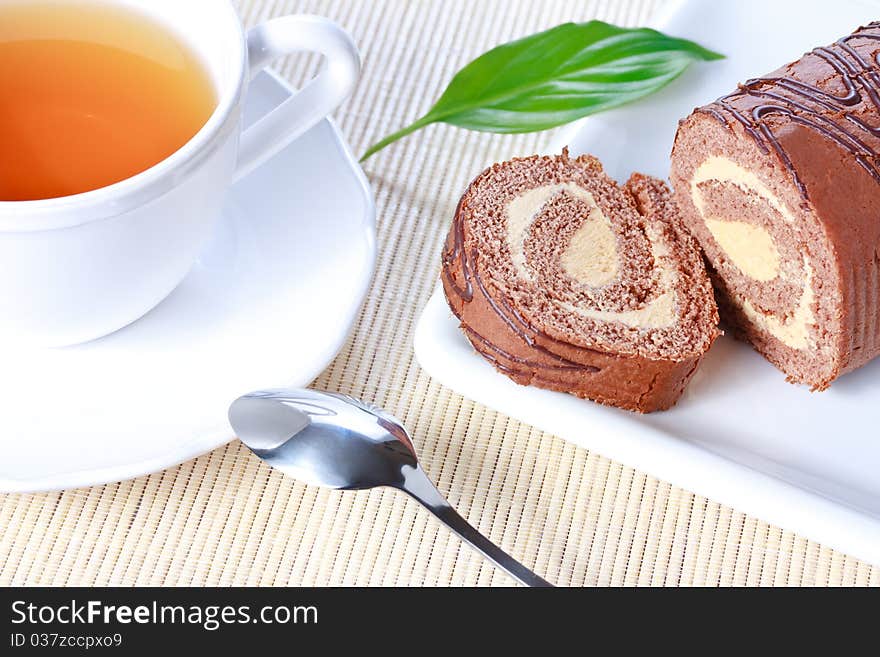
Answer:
(79, 267)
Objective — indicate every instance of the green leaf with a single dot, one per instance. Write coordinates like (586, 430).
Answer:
(557, 76)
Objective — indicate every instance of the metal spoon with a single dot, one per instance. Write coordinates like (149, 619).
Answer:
(328, 439)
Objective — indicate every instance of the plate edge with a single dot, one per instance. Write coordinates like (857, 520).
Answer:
(213, 439)
(846, 519)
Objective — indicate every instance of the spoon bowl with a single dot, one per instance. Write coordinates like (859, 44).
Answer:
(323, 439)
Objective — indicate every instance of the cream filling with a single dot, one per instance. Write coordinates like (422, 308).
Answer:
(657, 313)
(753, 251)
(795, 332)
(749, 247)
(591, 257)
(723, 169)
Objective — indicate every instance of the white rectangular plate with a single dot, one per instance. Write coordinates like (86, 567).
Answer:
(741, 435)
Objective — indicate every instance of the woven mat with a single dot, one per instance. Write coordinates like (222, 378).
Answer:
(576, 517)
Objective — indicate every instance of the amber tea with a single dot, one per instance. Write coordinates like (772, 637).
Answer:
(91, 94)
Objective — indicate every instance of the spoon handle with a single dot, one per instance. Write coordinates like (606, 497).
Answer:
(418, 486)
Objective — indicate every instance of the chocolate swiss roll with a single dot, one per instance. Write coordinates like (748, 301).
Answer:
(780, 183)
(563, 280)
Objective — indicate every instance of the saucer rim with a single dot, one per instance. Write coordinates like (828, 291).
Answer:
(207, 440)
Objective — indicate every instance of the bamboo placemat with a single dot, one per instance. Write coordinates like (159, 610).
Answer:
(575, 516)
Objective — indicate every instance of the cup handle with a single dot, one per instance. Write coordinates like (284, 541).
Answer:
(282, 36)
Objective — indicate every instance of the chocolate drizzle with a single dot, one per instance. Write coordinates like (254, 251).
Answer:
(456, 252)
(833, 116)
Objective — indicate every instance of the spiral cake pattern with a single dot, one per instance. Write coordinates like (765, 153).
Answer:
(780, 183)
(563, 280)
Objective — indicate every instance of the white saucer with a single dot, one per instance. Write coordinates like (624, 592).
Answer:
(269, 303)
(741, 435)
